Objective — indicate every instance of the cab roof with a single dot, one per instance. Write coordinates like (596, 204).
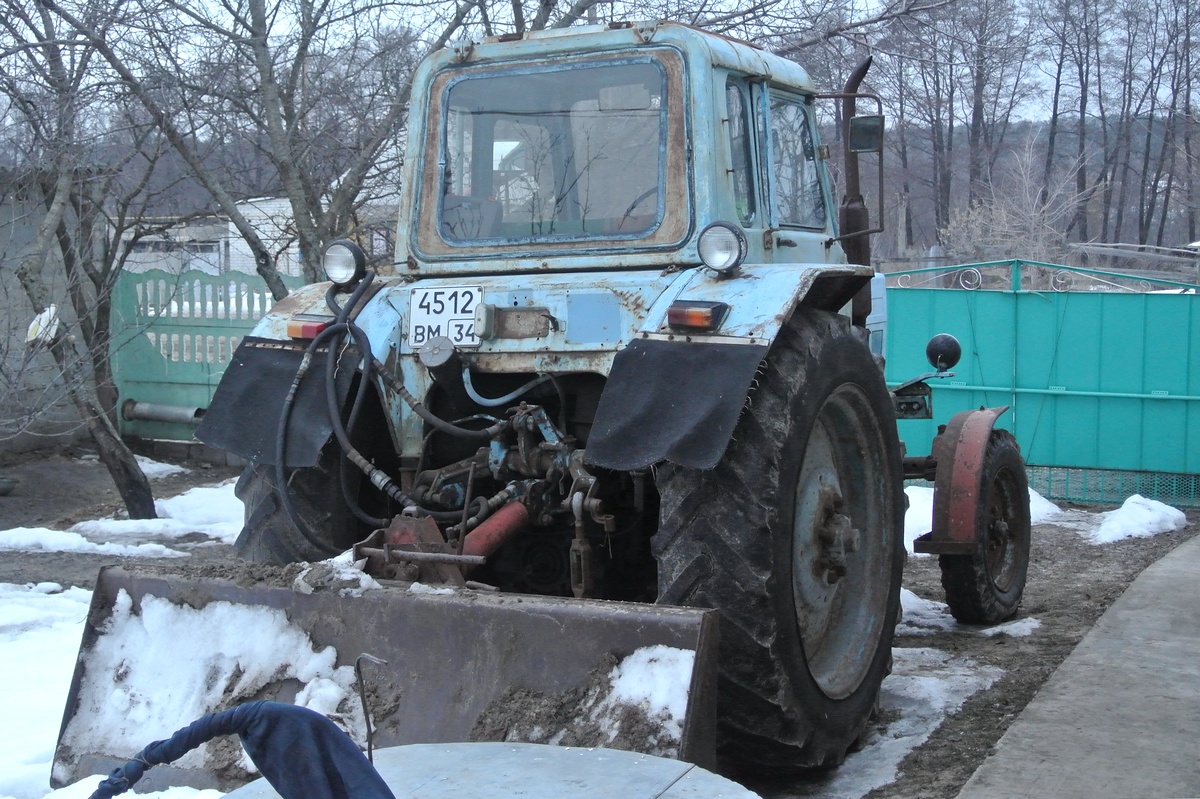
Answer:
(715, 49)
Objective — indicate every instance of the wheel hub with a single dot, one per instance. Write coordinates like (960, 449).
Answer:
(836, 536)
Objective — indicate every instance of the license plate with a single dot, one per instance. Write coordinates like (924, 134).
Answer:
(448, 312)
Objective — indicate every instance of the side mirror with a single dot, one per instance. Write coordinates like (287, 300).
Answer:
(866, 134)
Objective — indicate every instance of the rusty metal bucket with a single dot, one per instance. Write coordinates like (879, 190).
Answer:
(457, 664)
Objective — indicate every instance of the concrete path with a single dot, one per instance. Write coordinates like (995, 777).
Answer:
(1121, 716)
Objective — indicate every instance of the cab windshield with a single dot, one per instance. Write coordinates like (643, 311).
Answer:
(553, 152)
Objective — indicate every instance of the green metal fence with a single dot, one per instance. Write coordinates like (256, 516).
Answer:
(173, 337)
(1101, 370)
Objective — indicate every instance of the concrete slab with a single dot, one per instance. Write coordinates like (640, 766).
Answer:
(1121, 715)
(491, 770)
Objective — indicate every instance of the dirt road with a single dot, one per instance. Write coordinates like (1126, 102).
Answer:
(1071, 582)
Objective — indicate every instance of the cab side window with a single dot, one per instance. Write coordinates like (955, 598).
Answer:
(798, 200)
(741, 143)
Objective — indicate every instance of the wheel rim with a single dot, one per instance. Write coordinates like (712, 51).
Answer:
(1005, 530)
(842, 541)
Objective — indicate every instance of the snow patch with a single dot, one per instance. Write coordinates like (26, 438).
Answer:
(41, 539)
(421, 588)
(1137, 517)
(154, 470)
(925, 686)
(39, 635)
(918, 519)
(212, 511)
(925, 616)
(1018, 628)
(1041, 509)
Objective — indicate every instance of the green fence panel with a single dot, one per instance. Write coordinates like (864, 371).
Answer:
(173, 336)
(1096, 381)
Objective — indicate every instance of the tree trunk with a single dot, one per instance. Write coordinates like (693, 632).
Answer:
(127, 476)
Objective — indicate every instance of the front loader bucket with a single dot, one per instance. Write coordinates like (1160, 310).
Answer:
(165, 645)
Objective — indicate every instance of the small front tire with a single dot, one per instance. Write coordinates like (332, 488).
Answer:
(986, 588)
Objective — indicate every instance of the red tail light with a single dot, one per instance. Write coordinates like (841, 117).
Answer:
(308, 325)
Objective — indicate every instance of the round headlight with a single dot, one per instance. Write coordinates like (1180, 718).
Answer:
(722, 247)
(345, 263)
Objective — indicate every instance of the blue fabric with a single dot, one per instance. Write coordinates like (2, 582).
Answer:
(300, 752)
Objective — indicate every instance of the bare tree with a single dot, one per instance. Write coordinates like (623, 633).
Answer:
(1019, 216)
(81, 198)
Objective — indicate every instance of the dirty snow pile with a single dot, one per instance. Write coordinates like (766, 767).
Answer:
(1137, 517)
(211, 513)
(654, 679)
(339, 574)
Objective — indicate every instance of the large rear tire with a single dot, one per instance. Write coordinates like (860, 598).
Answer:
(270, 537)
(986, 588)
(797, 537)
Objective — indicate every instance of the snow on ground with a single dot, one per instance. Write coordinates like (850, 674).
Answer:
(151, 468)
(1138, 516)
(923, 616)
(40, 628)
(210, 511)
(42, 539)
(925, 686)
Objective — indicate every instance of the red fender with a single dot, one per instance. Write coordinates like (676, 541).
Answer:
(959, 451)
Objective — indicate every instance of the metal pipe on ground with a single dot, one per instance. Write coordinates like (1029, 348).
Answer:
(133, 410)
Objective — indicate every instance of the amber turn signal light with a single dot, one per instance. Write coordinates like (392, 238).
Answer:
(696, 314)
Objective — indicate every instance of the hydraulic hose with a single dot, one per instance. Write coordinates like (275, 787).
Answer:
(420, 410)
(335, 334)
(341, 326)
(507, 398)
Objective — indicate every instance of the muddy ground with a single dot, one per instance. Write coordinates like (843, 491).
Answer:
(1071, 582)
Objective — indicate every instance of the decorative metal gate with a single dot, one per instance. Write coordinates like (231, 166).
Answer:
(173, 335)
